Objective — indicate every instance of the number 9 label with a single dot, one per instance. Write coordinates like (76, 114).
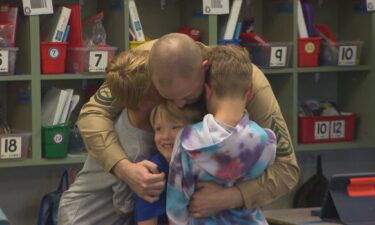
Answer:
(98, 61)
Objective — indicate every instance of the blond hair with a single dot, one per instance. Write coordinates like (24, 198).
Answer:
(128, 78)
(230, 70)
(167, 109)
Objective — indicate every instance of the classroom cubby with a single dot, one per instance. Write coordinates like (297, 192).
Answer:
(276, 20)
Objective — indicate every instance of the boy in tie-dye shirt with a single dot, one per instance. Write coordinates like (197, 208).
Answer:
(226, 147)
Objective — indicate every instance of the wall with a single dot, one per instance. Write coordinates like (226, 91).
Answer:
(21, 189)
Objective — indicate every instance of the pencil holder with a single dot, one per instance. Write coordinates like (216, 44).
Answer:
(53, 57)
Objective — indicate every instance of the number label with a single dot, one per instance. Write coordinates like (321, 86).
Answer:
(338, 129)
(4, 61)
(53, 53)
(370, 5)
(10, 147)
(278, 56)
(215, 7)
(347, 55)
(98, 61)
(321, 130)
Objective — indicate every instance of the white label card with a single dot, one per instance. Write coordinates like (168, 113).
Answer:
(370, 5)
(4, 61)
(338, 129)
(215, 7)
(347, 55)
(10, 147)
(98, 61)
(37, 7)
(278, 56)
(321, 130)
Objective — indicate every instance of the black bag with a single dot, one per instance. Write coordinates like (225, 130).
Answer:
(50, 203)
(311, 193)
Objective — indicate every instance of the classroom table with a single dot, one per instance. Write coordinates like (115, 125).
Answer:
(300, 216)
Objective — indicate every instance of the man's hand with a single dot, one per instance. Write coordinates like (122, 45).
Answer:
(142, 177)
(211, 198)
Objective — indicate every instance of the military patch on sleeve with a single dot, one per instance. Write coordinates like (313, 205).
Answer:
(284, 146)
(103, 96)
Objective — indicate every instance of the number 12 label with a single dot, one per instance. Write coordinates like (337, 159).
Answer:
(98, 61)
(338, 129)
(10, 148)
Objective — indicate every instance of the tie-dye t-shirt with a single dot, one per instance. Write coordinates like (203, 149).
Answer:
(208, 152)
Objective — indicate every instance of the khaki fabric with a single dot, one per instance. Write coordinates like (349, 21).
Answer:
(283, 175)
(96, 126)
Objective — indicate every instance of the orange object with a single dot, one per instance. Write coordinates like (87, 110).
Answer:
(361, 187)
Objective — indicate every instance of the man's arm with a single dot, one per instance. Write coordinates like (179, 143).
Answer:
(276, 181)
(96, 126)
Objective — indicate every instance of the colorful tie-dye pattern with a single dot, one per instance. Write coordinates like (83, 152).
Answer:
(208, 152)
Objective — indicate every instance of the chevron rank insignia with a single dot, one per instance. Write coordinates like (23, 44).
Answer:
(284, 146)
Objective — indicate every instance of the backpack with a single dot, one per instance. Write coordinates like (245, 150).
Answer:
(50, 202)
(311, 193)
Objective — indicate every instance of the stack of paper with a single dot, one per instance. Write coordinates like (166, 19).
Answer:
(57, 105)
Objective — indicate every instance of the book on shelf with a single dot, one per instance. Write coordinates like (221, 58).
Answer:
(54, 29)
(135, 21)
(232, 20)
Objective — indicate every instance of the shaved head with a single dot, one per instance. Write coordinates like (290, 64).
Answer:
(174, 56)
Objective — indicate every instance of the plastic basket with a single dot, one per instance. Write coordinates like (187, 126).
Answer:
(85, 60)
(53, 57)
(308, 51)
(15, 145)
(55, 140)
(343, 53)
(11, 55)
(276, 54)
(321, 129)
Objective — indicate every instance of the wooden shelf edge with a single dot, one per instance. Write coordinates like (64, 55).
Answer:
(71, 76)
(329, 146)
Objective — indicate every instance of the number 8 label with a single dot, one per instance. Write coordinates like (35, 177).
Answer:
(10, 148)
(98, 61)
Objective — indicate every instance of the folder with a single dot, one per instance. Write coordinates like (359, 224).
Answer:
(232, 20)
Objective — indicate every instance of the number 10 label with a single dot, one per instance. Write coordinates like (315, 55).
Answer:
(10, 148)
(347, 55)
(98, 61)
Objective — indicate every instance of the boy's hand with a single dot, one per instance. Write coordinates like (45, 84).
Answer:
(210, 198)
(143, 178)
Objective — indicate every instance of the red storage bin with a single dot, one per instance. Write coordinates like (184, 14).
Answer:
(308, 51)
(53, 57)
(321, 129)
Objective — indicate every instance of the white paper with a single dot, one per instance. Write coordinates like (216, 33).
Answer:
(37, 7)
(215, 7)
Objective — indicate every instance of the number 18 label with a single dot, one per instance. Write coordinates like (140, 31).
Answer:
(98, 61)
(10, 148)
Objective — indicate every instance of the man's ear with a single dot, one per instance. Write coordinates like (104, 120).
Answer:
(250, 93)
(205, 65)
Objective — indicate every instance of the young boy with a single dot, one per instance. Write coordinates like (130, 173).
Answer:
(226, 147)
(167, 120)
(97, 196)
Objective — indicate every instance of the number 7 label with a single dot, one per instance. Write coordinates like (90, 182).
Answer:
(98, 61)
